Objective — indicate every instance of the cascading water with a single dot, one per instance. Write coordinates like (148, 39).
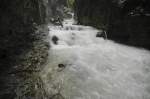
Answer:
(82, 66)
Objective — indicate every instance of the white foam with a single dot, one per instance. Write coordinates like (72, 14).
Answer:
(95, 68)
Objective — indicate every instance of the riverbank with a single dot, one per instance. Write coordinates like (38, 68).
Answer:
(22, 81)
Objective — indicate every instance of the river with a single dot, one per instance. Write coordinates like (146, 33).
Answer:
(83, 66)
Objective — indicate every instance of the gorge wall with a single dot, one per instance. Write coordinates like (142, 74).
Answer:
(125, 21)
(19, 22)
(17, 26)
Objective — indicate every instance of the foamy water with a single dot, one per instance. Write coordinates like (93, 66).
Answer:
(94, 68)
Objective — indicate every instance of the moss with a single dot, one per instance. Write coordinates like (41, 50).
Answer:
(70, 3)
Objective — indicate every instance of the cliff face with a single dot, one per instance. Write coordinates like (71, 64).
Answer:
(17, 21)
(55, 8)
(125, 22)
(20, 35)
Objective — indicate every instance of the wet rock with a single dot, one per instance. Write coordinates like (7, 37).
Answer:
(100, 34)
(55, 39)
(61, 65)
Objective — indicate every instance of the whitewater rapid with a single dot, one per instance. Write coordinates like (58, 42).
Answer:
(94, 68)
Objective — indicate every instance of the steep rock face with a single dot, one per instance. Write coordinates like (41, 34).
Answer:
(92, 12)
(17, 25)
(56, 8)
(19, 21)
(125, 22)
(133, 30)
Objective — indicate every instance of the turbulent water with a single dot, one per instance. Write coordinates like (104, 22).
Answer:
(94, 68)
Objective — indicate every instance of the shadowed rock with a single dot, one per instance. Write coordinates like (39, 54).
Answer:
(55, 39)
(101, 34)
(61, 66)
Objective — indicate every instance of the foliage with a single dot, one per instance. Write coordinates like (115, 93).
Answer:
(70, 3)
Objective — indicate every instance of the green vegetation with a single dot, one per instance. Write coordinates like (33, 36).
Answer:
(70, 3)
